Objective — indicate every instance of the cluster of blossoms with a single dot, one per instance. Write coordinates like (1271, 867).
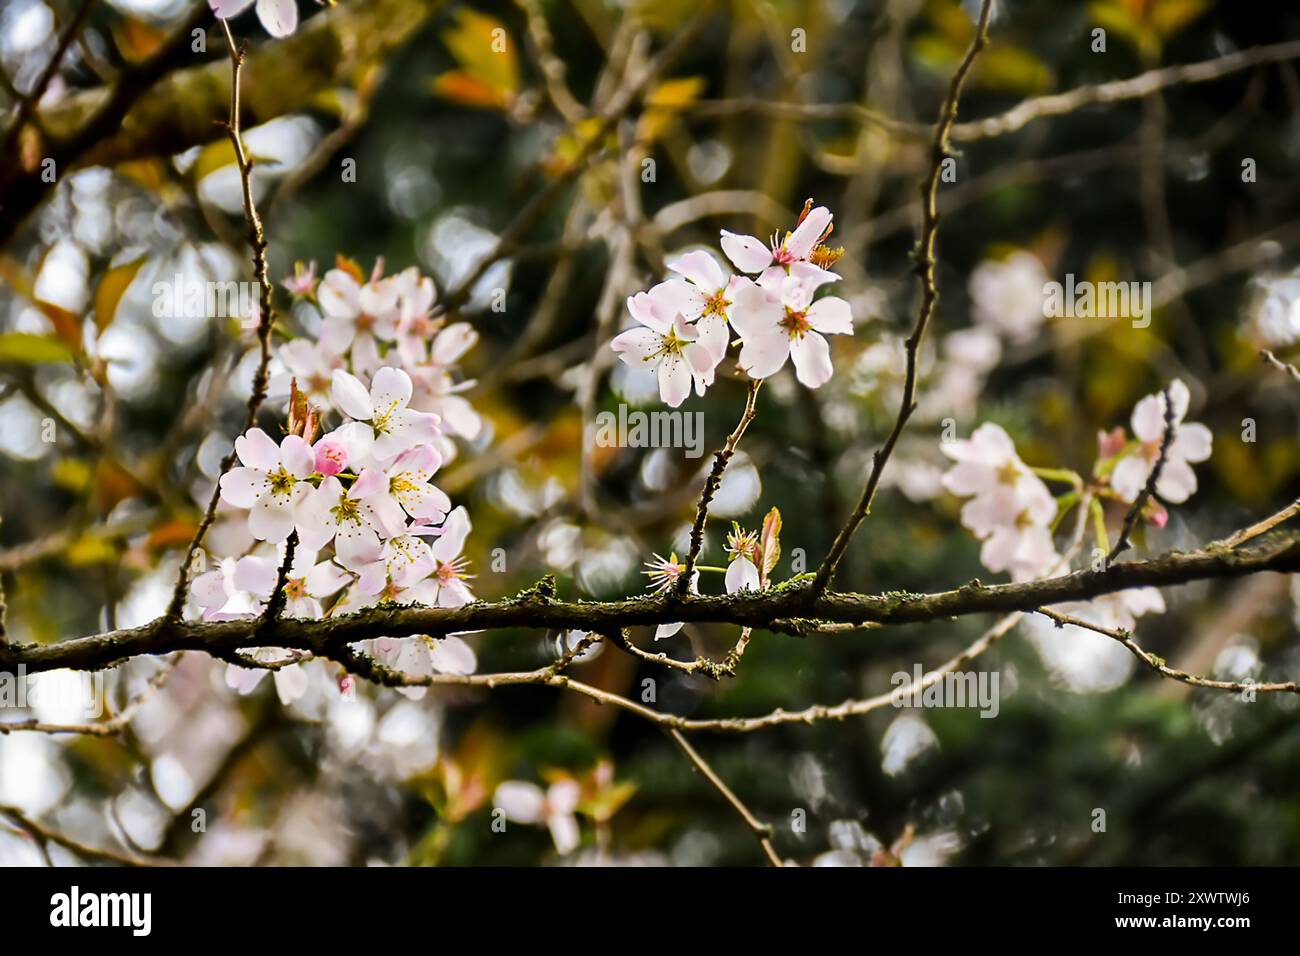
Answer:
(684, 324)
(369, 525)
(370, 322)
(1011, 510)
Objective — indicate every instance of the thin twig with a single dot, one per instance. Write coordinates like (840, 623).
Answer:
(256, 237)
(925, 263)
(1157, 663)
(762, 831)
(1153, 479)
(45, 834)
(720, 460)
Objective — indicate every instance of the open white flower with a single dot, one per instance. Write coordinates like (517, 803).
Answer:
(1192, 442)
(1008, 295)
(525, 802)
(271, 482)
(787, 324)
(1082, 659)
(1010, 509)
(219, 595)
(290, 679)
(668, 344)
(403, 488)
(312, 366)
(279, 17)
(384, 407)
(422, 656)
(356, 315)
(447, 585)
(332, 512)
(706, 296)
(752, 255)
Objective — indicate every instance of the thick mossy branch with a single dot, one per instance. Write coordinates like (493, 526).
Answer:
(779, 609)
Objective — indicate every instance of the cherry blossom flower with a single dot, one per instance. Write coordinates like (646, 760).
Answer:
(331, 512)
(1192, 442)
(385, 408)
(291, 680)
(789, 325)
(302, 284)
(447, 585)
(402, 488)
(312, 366)
(742, 571)
(1008, 295)
(663, 573)
(357, 315)
(422, 656)
(706, 297)
(751, 255)
(1010, 508)
(220, 597)
(306, 585)
(279, 17)
(668, 344)
(1082, 659)
(525, 802)
(272, 482)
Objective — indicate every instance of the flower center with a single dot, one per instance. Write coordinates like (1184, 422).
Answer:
(795, 323)
(1009, 473)
(381, 422)
(346, 510)
(401, 485)
(717, 304)
(670, 344)
(281, 481)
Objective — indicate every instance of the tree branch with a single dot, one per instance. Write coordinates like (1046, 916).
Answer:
(788, 604)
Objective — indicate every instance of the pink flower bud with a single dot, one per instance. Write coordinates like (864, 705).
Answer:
(1158, 516)
(331, 456)
(1110, 444)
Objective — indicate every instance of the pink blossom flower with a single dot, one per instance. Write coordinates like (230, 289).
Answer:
(787, 324)
(384, 406)
(332, 513)
(1192, 442)
(1010, 508)
(447, 585)
(423, 656)
(331, 455)
(668, 344)
(357, 316)
(272, 482)
(312, 365)
(706, 298)
(303, 281)
(750, 254)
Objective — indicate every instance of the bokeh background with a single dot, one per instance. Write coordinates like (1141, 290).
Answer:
(450, 140)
